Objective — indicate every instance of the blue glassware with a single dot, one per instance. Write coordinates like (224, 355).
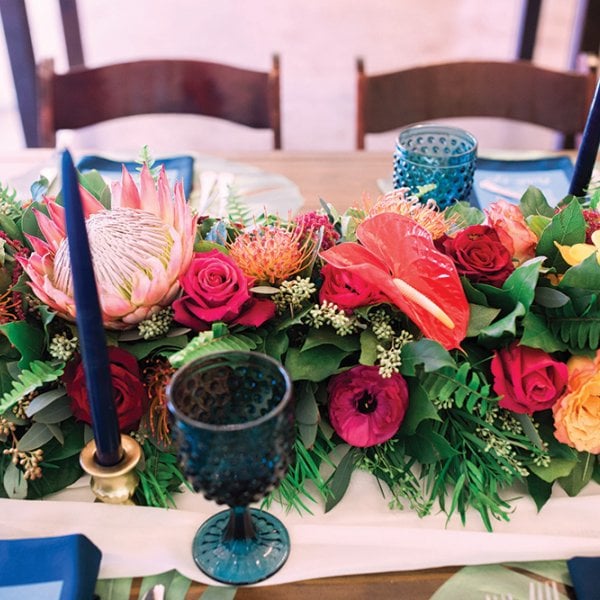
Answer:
(436, 154)
(234, 429)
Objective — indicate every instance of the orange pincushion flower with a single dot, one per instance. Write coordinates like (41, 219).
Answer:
(272, 253)
(427, 214)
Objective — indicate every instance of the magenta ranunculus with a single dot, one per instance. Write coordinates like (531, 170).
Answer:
(347, 290)
(364, 408)
(527, 379)
(216, 289)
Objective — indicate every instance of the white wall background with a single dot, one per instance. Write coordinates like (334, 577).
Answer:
(318, 41)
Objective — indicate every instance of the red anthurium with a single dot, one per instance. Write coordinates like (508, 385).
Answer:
(397, 256)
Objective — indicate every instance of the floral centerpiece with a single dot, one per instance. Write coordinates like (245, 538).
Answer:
(452, 354)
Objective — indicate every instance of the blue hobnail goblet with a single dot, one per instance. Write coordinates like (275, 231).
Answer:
(436, 154)
(234, 430)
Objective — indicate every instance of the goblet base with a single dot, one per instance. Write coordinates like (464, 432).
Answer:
(237, 560)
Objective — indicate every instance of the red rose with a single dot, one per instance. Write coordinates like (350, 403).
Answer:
(364, 408)
(479, 254)
(130, 394)
(527, 379)
(346, 289)
(216, 289)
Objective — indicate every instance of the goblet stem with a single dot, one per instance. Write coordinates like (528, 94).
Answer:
(240, 526)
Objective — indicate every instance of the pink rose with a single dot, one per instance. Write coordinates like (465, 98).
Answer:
(216, 289)
(527, 379)
(364, 408)
(347, 290)
(511, 227)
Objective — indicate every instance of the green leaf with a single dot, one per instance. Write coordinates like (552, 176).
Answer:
(480, 317)
(65, 473)
(276, 344)
(537, 224)
(428, 447)
(558, 467)
(307, 413)
(464, 214)
(10, 228)
(579, 476)
(92, 181)
(339, 481)
(521, 283)
(28, 381)
(539, 490)
(505, 326)
(14, 482)
(420, 408)
(536, 334)
(58, 411)
(146, 347)
(315, 364)
(43, 400)
(550, 297)
(327, 335)
(205, 343)
(29, 221)
(585, 275)
(35, 437)
(424, 352)
(368, 347)
(534, 203)
(567, 228)
(27, 339)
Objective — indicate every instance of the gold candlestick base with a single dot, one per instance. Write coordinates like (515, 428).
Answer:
(116, 484)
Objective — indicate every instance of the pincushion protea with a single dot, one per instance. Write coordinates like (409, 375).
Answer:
(139, 249)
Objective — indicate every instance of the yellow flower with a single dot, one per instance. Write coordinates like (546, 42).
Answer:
(577, 253)
(577, 413)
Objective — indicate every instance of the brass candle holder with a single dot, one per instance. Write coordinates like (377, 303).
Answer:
(115, 484)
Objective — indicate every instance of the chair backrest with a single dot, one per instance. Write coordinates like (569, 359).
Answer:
(20, 51)
(518, 90)
(84, 96)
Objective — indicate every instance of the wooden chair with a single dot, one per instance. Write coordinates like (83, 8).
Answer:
(22, 61)
(515, 90)
(84, 96)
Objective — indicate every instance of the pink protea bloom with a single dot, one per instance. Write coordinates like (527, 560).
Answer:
(139, 249)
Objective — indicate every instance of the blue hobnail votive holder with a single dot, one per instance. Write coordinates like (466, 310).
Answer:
(435, 154)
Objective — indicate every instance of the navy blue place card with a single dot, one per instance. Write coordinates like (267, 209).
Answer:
(53, 568)
(179, 168)
(509, 179)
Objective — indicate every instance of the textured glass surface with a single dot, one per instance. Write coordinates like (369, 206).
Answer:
(436, 154)
(234, 429)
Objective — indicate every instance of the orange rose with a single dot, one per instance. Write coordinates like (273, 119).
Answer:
(509, 223)
(577, 413)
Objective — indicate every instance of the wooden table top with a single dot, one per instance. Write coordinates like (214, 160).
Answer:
(340, 178)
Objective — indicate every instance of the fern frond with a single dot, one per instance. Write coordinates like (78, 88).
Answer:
(461, 387)
(38, 374)
(202, 345)
(577, 323)
(237, 211)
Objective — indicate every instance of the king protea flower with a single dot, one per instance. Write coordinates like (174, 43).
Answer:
(139, 249)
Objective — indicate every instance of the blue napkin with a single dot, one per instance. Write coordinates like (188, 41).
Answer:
(177, 167)
(585, 574)
(55, 568)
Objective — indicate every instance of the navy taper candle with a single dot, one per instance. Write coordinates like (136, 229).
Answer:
(92, 339)
(588, 151)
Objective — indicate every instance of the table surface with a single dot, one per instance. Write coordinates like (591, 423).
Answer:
(340, 178)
